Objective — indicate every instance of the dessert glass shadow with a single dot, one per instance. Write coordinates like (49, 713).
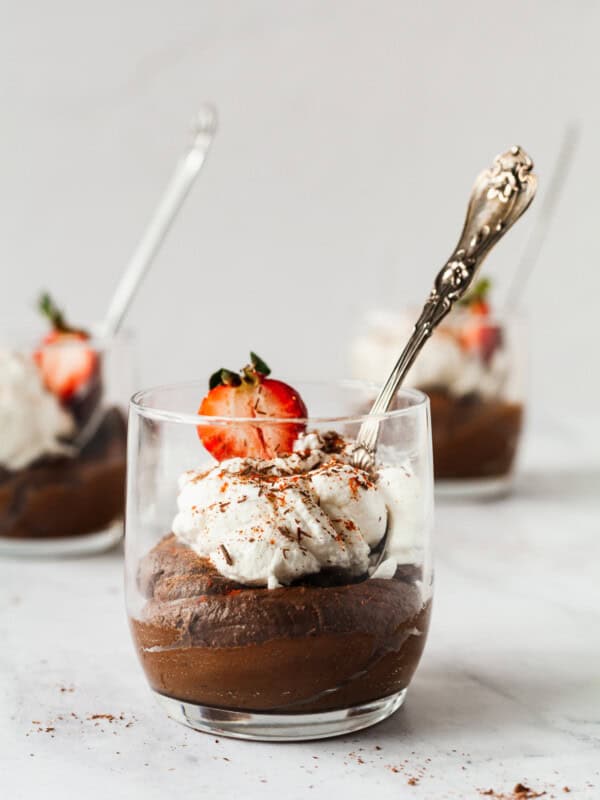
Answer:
(63, 444)
(281, 598)
(472, 369)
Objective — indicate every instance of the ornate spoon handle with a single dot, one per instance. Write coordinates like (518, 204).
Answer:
(499, 197)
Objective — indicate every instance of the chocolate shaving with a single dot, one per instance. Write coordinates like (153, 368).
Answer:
(285, 533)
(520, 792)
(225, 554)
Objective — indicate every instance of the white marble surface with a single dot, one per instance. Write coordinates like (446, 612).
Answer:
(508, 689)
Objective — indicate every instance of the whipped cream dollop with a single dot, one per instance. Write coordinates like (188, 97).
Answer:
(32, 420)
(442, 362)
(270, 522)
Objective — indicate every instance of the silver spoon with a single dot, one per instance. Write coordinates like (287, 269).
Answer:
(203, 131)
(541, 226)
(186, 171)
(498, 198)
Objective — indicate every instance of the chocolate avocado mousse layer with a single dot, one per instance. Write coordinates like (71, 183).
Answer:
(473, 436)
(60, 495)
(287, 584)
(290, 581)
(300, 648)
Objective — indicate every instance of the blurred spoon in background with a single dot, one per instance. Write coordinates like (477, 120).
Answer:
(186, 171)
(188, 167)
(541, 225)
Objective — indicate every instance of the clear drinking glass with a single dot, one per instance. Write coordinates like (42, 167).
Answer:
(317, 652)
(472, 369)
(63, 461)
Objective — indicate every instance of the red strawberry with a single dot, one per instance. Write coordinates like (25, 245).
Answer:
(479, 307)
(250, 394)
(478, 334)
(481, 337)
(475, 299)
(65, 359)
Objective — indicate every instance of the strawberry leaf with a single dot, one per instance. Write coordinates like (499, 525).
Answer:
(50, 310)
(259, 365)
(55, 316)
(215, 379)
(230, 378)
(224, 377)
(478, 293)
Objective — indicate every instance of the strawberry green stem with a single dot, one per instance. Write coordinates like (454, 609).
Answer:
(478, 293)
(57, 320)
(50, 310)
(252, 374)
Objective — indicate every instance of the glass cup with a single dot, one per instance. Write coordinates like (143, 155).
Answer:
(281, 599)
(63, 458)
(472, 369)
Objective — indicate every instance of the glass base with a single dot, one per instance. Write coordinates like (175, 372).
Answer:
(474, 488)
(280, 727)
(87, 544)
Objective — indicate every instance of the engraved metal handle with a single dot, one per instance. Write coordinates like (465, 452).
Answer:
(499, 197)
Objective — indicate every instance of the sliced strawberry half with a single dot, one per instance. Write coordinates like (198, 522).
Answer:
(65, 359)
(250, 394)
(478, 334)
(481, 338)
(479, 307)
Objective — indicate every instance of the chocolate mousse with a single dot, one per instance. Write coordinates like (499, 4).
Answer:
(473, 437)
(62, 495)
(291, 580)
(62, 448)
(300, 648)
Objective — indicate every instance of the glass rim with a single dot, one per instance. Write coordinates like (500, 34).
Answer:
(139, 404)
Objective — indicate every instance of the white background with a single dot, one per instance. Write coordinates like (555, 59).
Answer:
(350, 135)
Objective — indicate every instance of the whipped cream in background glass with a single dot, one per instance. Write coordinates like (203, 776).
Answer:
(32, 421)
(268, 523)
(441, 363)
